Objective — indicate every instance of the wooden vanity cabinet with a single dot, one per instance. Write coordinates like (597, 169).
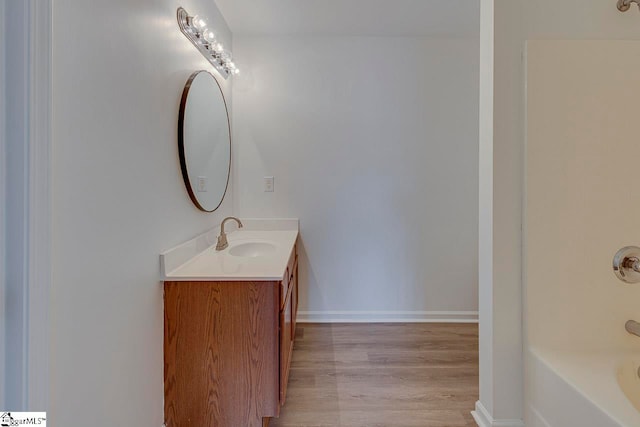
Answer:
(228, 349)
(287, 323)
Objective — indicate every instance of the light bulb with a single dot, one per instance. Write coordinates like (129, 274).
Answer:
(209, 36)
(198, 22)
(225, 56)
(236, 71)
(218, 47)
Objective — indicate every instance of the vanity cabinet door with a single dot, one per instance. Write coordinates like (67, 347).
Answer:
(287, 320)
(294, 299)
(288, 274)
(221, 353)
(286, 344)
(284, 289)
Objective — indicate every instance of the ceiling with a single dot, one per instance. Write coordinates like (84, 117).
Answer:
(436, 18)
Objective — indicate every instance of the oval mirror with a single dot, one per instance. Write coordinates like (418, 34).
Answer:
(204, 141)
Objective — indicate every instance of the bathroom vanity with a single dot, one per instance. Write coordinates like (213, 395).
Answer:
(229, 326)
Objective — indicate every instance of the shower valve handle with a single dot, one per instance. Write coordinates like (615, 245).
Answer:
(626, 264)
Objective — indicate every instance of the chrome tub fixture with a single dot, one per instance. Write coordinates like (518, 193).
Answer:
(196, 29)
(624, 5)
(633, 328)
(626, 264)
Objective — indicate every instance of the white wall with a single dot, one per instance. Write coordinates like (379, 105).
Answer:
(119, 68)
(373, 145)
(507, 210)
(16, 172)
(25, 202)
(501, 380)
(485, 209)
(3, 181)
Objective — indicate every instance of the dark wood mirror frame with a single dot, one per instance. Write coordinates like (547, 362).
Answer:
(181, 142)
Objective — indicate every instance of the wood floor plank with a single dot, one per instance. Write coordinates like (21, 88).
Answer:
(382, 375)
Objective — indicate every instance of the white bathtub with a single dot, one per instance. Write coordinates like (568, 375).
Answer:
(582, 389)
(628, 375)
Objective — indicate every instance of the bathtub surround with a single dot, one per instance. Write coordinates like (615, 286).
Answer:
(119, 200)
(515, 22)
(378, 159)
(590, 212)
(577, 126)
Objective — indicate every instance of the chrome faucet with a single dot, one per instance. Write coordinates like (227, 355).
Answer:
(632, 327)
(222, 238)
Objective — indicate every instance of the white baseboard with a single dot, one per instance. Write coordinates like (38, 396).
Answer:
(387, 317)
(484, 419)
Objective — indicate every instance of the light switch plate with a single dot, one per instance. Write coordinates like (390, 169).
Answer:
(268, 184)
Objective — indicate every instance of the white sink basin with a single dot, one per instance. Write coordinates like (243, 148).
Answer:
(252, 249)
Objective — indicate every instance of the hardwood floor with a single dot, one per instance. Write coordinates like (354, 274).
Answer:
(382, 375)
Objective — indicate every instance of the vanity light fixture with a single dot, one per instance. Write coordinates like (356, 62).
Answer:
(196, 29)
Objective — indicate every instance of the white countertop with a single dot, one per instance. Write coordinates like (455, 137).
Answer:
(198, 260)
